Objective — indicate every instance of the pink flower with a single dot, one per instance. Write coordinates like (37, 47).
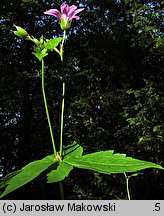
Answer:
(66, 15)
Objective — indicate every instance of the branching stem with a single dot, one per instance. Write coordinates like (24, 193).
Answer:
(127, 186)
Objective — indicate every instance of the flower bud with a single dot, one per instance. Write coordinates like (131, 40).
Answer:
(20, 32)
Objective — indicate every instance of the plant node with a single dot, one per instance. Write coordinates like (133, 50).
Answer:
(58, 157)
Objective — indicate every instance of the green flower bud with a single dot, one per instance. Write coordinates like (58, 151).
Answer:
(20, 32)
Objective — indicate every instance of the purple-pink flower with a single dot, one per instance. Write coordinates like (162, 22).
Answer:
(66, 15)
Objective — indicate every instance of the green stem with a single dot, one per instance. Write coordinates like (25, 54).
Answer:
(63, 99)
(61, 190)
(62, 121)
(62, 44)
(62, 114)
(127, 186)
(47, 112)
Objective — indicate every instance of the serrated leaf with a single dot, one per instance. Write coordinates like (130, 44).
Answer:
(28, 173)
(52, 43)
(107, 162)
(4, 180)
(63, 169)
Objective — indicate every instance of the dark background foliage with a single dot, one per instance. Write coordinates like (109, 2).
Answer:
(114, 81)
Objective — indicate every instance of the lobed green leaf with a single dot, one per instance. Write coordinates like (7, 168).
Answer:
(28, 173)
(52, 43)
(107, 162)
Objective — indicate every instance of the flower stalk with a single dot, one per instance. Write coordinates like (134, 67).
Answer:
(65, 16)
(63, 97)
(47, 112)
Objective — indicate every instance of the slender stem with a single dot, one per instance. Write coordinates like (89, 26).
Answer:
(47, 112)
(61, 190)
(62, 44)
(63, 99)
(127, 186)
(62, 113)
(62, 120)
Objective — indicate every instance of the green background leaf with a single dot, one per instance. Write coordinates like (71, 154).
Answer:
(107, 162)
(28, 173)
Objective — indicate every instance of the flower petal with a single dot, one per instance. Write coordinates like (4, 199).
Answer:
(76, 17)
(53, 12)
(73, 14)
(71, 9)
(64, 8)
(78, 10)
